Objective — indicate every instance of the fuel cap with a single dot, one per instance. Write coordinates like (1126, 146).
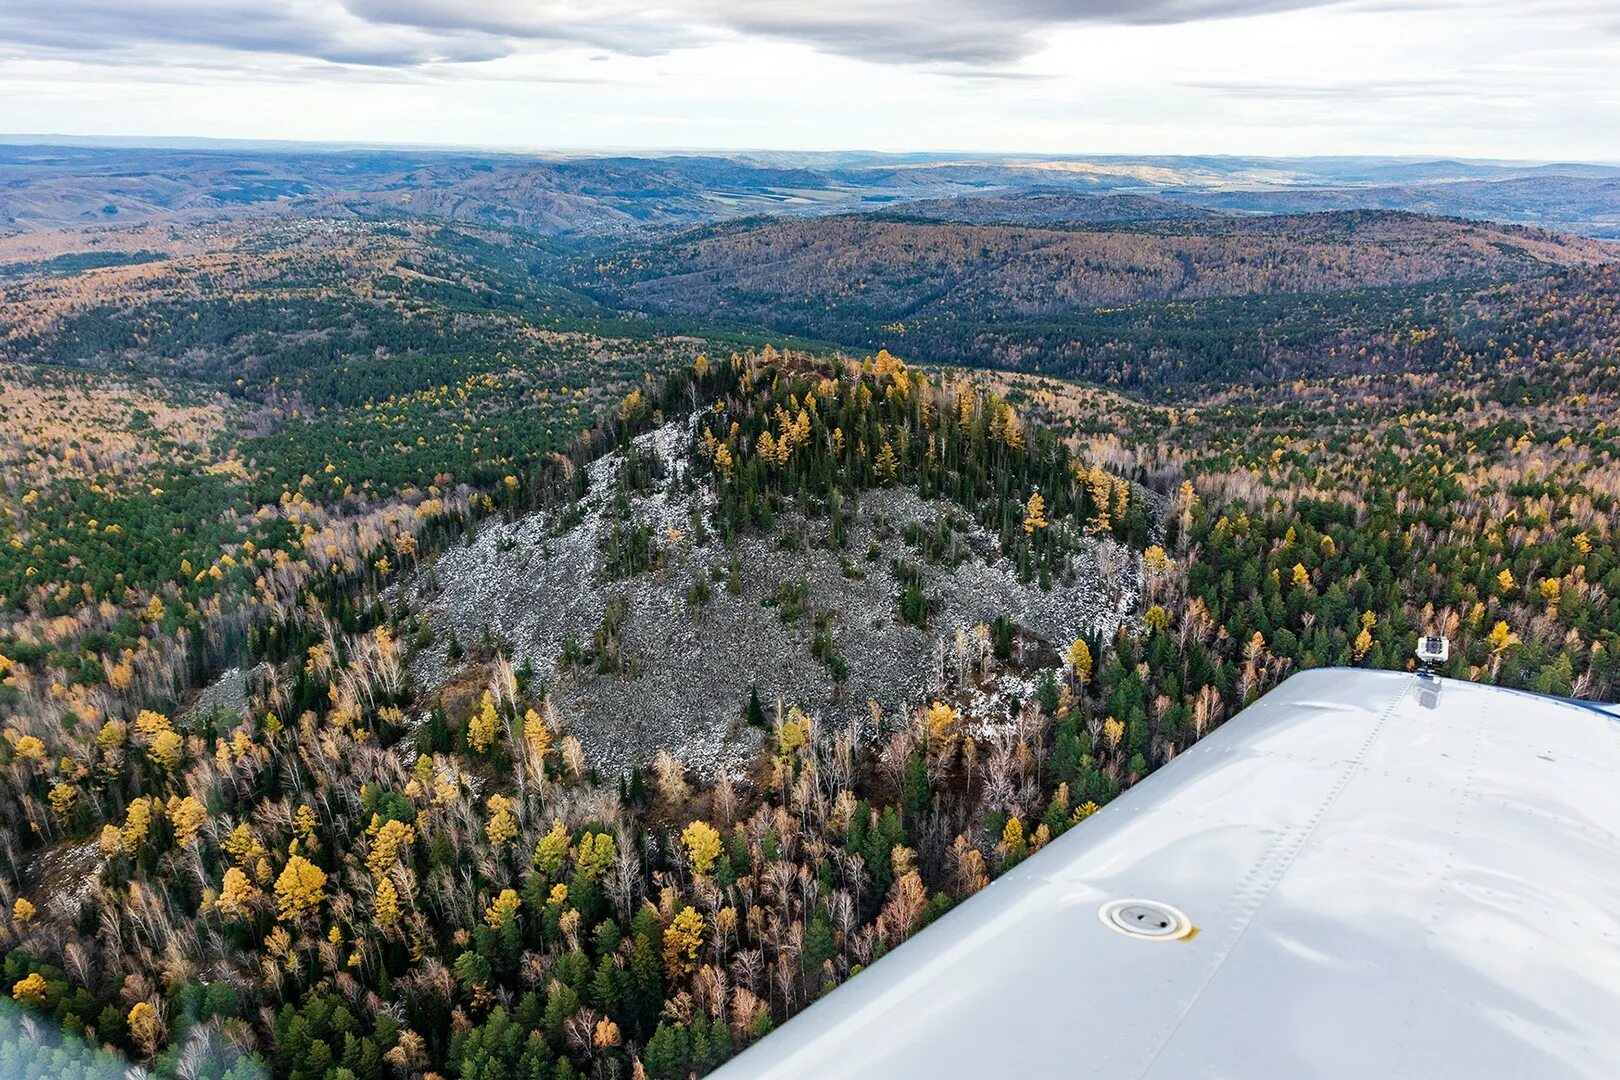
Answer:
(1150, 920)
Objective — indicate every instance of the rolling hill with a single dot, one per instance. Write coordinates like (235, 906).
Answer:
(1022, 295)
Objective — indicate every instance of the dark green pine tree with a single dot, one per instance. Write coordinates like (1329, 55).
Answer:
(662, 1054)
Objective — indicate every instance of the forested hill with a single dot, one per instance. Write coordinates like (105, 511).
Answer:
(880, 269)
(1209, 289)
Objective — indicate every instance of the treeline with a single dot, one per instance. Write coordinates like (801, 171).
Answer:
(785, 431)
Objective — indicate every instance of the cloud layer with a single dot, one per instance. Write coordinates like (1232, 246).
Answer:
(1502, 78)
(405, 33)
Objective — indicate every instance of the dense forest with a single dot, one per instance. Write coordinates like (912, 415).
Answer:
(232, 454)
(1145, 303)
(1464, 485)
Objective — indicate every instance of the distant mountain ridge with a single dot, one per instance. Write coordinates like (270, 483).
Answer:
(52, 182)
(1588, 204)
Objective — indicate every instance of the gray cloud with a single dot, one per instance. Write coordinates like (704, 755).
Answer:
(629, 27)
(970, 33)
(317, 31)
(956, 34)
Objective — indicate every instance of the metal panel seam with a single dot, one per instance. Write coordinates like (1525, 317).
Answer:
(1447, 875)
(1271, 868)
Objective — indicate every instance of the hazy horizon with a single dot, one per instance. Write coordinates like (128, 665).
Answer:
(267, 145)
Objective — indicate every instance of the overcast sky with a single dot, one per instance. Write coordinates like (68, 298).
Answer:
(1484, 78)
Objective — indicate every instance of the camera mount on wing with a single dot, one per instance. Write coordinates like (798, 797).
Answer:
(1433, 651)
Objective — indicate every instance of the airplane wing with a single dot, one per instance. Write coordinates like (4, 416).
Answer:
(1385, 875)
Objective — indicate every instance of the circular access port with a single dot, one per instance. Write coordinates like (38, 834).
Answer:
(1148, 919)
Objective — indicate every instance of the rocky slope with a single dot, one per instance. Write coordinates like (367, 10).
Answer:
(686, 669)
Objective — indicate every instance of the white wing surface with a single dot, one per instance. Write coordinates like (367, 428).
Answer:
(1389, 875)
